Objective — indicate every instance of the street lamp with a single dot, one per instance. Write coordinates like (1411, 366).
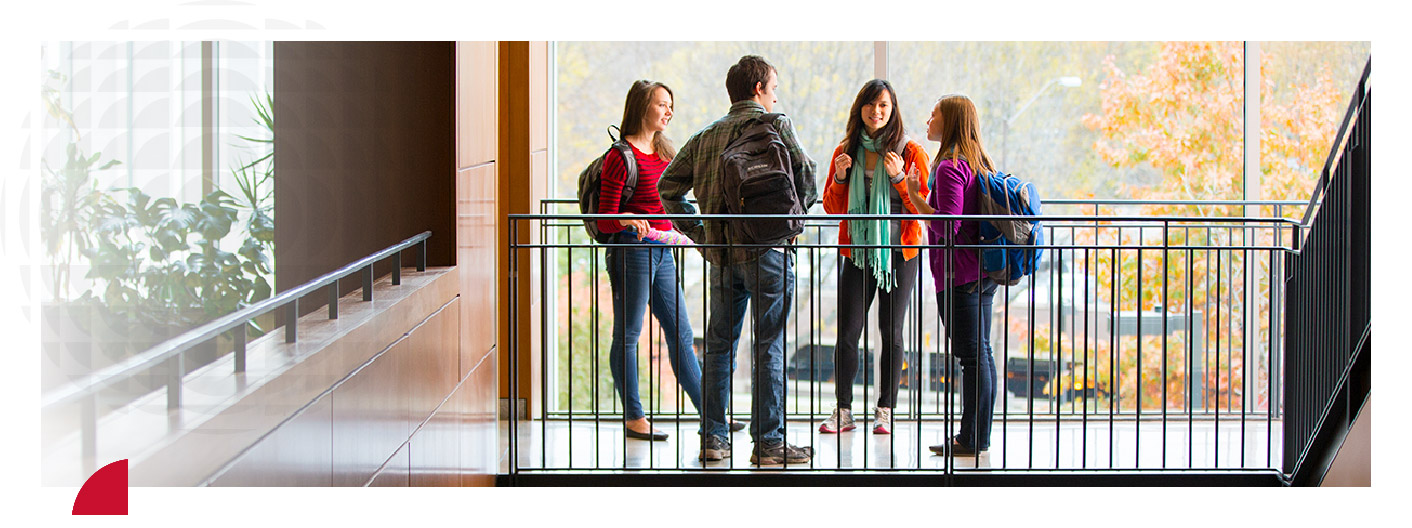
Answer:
(1067, 82)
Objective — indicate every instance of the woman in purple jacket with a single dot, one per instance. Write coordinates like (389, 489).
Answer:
(954, 191)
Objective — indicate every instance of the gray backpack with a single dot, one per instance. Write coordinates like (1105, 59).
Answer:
(591, 183)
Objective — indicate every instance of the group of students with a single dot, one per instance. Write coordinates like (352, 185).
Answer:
(876, 169)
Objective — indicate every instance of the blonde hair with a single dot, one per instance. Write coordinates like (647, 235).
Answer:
(635, 113)
(961, 134)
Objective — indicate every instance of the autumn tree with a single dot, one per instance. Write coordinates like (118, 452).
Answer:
(1183, 116)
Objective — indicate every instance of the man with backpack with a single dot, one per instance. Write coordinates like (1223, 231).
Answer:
(747, 162)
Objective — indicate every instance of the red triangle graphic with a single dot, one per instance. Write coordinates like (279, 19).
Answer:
(105, 493)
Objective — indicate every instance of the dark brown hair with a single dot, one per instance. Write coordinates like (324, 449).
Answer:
(961, 134)
(635, 112)
(888, 136)
(745, 74)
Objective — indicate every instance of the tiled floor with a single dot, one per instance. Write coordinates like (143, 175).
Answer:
(1016, 445)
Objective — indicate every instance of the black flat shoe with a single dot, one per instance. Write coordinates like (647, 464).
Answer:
(737, 426)
(956, 447)
(654, 435)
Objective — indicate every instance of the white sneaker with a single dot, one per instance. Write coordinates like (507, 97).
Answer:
(840, 420)
(882, 424)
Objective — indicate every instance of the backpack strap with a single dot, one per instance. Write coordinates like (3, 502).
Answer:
(629, 166)
(771, 119)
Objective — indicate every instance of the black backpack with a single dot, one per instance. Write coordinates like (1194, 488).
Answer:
(757, 179)
(591, 182)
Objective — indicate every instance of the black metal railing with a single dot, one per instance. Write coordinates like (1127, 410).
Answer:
(1329, 341)
(169, 354)
(1137, 330)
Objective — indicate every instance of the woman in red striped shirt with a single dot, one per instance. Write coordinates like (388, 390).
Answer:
(647, 275)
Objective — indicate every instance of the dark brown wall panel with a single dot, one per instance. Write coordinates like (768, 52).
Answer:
(365, 154)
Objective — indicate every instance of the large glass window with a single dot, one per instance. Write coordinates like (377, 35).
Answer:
(1304, 94)
(157, 194)
(1139, 121)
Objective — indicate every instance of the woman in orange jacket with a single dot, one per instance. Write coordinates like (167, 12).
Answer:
(868, 176)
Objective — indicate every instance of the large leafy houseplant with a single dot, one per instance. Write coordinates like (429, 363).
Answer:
(68, 194)
(158, 261)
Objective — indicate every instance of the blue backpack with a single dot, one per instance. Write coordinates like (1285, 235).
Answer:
(1006, 194)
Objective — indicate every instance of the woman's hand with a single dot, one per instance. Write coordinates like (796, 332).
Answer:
(893, 163)
(841, 165)
(914, 189)
(914, 185)
(640, 225)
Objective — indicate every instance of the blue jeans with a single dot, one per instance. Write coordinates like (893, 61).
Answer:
(643, 277)
(970, 343)
(767, 285)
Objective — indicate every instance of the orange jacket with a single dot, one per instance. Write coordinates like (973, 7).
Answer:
(836, 198)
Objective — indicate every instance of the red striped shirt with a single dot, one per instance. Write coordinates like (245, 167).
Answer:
(645, 199)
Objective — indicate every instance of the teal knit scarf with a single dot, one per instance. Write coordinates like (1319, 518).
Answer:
(870, 232)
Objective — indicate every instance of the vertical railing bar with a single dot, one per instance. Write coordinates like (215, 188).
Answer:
(1247, 301)
(238, 337)
(865, 366)
(679, 265)
(368, 283)
(593, 356)
(514, 338)
(1137, 423)
(1030, 307)
(1004, 380)
(176, 367)
(1270, 355)
(654, 393)
(1056, 321)
(705, 394)
(949, 266)
(621, 336)
(1116, 304)
(333, 299)
(291, 324)
(755, 367)
(1166, 255)
(1083, 450)
(396, 268)
(422, 255)
(569, 340)
(1190, 399)
(88, 423)
(1216, 352)
(543, 340)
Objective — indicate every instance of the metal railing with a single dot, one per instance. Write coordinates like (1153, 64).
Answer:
(1092, 352)
(168, 355)
(1330, 332)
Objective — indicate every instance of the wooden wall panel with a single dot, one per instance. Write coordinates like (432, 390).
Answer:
(523, 176)
(397, 472)
(480, 230)
(476, 108)
(366, 143)
(296, 454)
(476, 252)
(538, 98)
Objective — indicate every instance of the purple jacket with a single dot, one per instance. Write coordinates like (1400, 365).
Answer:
(954, 191)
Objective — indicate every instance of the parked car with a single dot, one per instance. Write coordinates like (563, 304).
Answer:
(1073, 383)
(798, 366)
(1022, 382)
(937, 378)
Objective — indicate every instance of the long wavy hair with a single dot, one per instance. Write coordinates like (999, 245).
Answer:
(961, 134)
(887, 136)
(635, 113)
